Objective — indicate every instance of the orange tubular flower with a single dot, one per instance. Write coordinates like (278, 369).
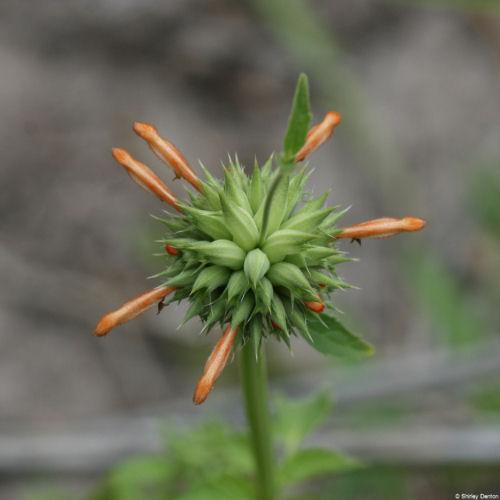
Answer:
(214, 365)
(167, 152)
(381, 228)
(317, 307)
(131, 309)
(145, 177)
(172, 250)
(318, 135)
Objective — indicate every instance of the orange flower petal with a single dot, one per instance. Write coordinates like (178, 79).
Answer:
(214, 365)
(380, 228)
(317, 307)
(145, 177)
(318, 135)
(167, 152)
(131, 309)
(172, 250)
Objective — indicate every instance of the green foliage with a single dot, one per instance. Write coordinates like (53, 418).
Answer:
(212, 461)
(215, 462)
(468, 5)
(443, 298)
(295, 419)
(312, 462)
(485, 196)
(327, 335)
(299, 121)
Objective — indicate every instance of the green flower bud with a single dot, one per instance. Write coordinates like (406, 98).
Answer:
(291, 277)
(242, 310)
(197, 305)
(264, 294)
(221, 252)
(284, 242)
(307, 221)
(211, 278)
(312, 256)
(321, 279)
(211, 223)
(212, 197)
(240, 224)
(277, 208)
(216, 313)
(297, 318)
(296, 190)
(185, 278)
(314, 204)
(233, 190)
(256, 266)
(237, 285)
(278, 313)
(255, 328)
(256, 193)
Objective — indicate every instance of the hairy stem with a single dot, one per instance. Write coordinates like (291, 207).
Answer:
(254, 384)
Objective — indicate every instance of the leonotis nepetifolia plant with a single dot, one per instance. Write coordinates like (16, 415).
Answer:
(254, 253)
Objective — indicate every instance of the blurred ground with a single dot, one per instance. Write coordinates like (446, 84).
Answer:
(215, 78)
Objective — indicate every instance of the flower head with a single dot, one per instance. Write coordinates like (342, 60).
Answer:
(253, 253)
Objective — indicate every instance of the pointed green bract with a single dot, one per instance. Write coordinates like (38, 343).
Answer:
(256, 194)
(275, 205)
(299, 121)
(289, 276)
(221, 252)
(211, 223)
(264, 293)
(307, 221)
(240, 224)
(242, 310)
(216, 313)
(211, 278)
(237, 285)
(278, 313)
(256, 266)
(233, 189)
(283, 242)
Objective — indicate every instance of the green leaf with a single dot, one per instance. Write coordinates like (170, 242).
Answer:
(299, 121)
(328, 336)
(306, 464)
(295, 419)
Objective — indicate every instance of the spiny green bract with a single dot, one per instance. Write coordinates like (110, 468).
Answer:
(250, 264)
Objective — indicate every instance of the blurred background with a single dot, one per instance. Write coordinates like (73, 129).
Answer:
(418, 85)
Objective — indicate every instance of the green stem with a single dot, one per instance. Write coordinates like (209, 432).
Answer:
(254, 384)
